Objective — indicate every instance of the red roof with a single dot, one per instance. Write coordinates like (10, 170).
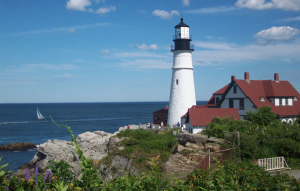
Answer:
(200, 116)
(211, 101)
(256, 89)
(163, 111)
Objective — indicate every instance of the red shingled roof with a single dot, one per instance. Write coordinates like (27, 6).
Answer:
(256, 89)
(201, 116)
(163, 111)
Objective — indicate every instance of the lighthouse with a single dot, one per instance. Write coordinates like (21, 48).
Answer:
(182, 94)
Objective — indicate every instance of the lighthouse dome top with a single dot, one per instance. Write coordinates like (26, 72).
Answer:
(181, 24)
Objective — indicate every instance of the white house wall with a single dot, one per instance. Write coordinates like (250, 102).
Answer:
(248, 105)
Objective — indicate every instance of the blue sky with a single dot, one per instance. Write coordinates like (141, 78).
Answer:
(119, 51)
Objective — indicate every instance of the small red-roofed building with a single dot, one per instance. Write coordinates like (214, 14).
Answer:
(161, 116)
(250, 95)
(197, 117)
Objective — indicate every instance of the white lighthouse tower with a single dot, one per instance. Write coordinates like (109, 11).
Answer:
(182, 95)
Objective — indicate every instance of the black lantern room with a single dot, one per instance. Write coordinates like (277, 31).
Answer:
(182, 37)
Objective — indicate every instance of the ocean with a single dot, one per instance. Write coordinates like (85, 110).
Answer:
(19, 123)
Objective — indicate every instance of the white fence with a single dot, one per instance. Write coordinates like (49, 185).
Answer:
(276, 163)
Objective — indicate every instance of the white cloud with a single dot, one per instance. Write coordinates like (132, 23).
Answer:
(146, 47)
(103, 52)
(59, 29)
(210, 10)
(293, 5)
(146, 63)
(50, 66)
(277, 34)
(65, 76)
(186, 3)
(222, 53)
(78, 4)
(71, 30)
(165, 14)
(289, 19)
(104, 10)
(140, 55)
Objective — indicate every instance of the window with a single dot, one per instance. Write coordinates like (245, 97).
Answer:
(157, 118)
(217, 99)
(234, 89)
(230, 103)
(241, 104)
(177, 82)
(280, 101)
(295, 99)
(262, 99)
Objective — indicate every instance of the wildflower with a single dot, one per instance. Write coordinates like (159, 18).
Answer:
(27, 175)
(6, 188)
(50, 177)
(231, 164)
(240, 169)
(194, 178)
(46, 176)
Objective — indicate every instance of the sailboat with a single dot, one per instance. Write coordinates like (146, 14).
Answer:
(39, 115)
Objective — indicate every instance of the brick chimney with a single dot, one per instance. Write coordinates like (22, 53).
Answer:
(232, 78)
(276, 77)
(246, 75)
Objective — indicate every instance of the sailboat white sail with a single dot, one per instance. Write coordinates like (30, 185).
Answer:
(39, 115)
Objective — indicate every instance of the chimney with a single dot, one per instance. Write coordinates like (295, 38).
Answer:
(232, 78)
(276, 77)
(246, 75)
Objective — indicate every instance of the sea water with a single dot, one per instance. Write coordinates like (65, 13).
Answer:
(19, 123)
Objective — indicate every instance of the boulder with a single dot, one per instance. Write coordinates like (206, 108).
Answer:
(179, 163)
(93, 145)
(212, 146)
(120, 166)
(194, 146)
(183, 138)
(215, 140)
(17, 147)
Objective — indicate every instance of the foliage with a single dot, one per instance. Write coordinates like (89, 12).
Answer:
(142, 145)
(239, 177)
(62, 170)
(264, 116)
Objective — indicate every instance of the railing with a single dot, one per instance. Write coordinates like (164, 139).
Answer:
(178, 37)
(275, 163)
(191, 47)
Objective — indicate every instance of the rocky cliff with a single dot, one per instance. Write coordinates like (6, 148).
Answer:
(97, 145)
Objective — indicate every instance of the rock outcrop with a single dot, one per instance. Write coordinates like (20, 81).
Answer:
(17, 147)
(120, 166)
(190, 151)
(93, 145)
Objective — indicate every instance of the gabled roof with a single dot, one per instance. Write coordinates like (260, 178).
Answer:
(211, 102)
(256, 89)
(201, 116)
(163, 111)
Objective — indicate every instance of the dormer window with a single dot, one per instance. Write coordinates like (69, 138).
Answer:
(262, 99)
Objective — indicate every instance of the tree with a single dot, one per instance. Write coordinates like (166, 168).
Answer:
(264, 116)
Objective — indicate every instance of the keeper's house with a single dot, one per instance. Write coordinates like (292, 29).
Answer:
(198, 117)
(249, 95)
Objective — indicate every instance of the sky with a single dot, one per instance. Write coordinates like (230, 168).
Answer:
(56, 51)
